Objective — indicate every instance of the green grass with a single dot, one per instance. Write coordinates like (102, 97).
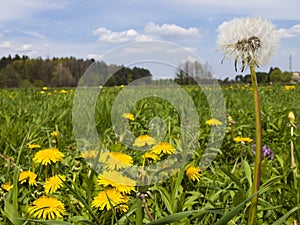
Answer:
(223, 192)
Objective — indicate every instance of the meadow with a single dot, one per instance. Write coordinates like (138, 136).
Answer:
(48, 179)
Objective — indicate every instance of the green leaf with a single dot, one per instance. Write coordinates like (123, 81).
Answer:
(166, 198)
(232, 213)
(285, 216)
(50, 222)
(78, 196)
(248, 173)
(239, 197)
(131, 210)
(181, 215)
(12, 214)
(139, 213)
(272, 181)
(232, 177)
(228, 216)
(112, 208)
(81, 219)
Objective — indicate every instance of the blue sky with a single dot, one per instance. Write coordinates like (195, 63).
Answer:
(90, 28)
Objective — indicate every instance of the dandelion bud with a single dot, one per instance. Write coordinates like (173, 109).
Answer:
(291, 117)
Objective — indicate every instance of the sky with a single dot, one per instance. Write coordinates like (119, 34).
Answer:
(92, 28)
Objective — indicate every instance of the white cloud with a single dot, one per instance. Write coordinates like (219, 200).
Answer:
(171, 31)
(151, 32)
(290, 32)
(5, 45)
(95, 56)
(105, 35)
(24, 48)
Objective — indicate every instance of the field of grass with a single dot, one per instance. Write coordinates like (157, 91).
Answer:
(84, 192)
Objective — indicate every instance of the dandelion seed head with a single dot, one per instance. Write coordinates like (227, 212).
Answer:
(250, 39)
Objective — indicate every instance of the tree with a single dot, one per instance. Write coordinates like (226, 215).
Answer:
(276, 76)
(191, 71)
(9, 77)
(62, 76)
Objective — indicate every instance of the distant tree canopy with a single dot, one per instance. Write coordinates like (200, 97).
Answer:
(62, 72)
(191, 71)
(22, 71)
(275, 75)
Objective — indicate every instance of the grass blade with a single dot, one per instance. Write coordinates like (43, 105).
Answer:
(285, 216)
(181, 215)
(51, 222)
(12, 214)
(81, 219)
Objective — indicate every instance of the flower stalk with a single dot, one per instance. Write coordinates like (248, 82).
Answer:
(250, 41)
(291, 117)
(258, 155)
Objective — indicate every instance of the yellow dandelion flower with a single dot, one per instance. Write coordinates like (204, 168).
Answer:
(122, 86)
(45, 88)
(213, 122)
(6, 186)
(42, 92)
(63, 91)
(47, 208)
(151, 155)
(193, 173)
(116, 160)
(144, 140)
(116, 199)
(54, 134)
(242, 139)
(53, 183)
(48, 156)
(115, 179)
(163, 148)
(89, 154)
(129, 116)
(32, 146)
(28, 175)
(290, 87)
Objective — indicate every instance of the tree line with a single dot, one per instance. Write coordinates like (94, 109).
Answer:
(22, 71)
(275, 75)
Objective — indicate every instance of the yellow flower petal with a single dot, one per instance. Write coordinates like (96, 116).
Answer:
(47, 208)
(48, 156)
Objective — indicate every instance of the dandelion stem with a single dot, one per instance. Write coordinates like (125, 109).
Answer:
(148, 211)
(258, 155)
(294, 167)
(7, 159)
